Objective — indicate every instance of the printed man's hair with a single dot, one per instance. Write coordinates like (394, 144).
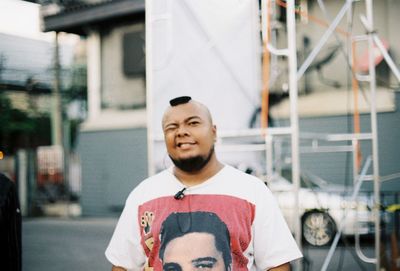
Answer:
(179, 224)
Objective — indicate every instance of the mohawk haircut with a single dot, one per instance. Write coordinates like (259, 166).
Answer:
(180, 100)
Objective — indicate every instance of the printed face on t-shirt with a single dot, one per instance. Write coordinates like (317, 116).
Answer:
(193, 251)
(197, 239)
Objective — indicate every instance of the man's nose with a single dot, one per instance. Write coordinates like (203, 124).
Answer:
(182, 131)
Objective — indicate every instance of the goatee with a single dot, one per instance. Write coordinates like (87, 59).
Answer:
(193, 164)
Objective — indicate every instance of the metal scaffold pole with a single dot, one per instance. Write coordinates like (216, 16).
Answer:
(374, 130)
(293, 130)
(373, 43)
(294, 118)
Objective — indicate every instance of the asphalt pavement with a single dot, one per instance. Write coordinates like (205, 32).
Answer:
(51, 244)
(54, 244)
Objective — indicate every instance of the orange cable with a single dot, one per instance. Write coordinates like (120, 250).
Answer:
(265, 76)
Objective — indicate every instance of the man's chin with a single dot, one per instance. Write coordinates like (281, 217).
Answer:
(191, 164)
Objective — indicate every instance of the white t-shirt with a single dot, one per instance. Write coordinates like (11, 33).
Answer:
(257, 232)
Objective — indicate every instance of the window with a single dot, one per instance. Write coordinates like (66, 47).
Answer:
(123, 68)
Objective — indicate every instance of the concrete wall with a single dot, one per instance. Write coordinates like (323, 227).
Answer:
(113, 163)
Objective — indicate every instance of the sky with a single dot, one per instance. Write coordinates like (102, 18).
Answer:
(22, 18)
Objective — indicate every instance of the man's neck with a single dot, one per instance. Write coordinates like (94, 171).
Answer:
(198, 177)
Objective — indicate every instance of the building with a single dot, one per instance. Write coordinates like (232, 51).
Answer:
(113, 141)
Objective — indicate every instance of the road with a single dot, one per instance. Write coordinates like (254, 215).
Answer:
(66, 244)
(52, 244)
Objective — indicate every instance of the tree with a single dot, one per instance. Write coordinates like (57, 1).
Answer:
(17, 128)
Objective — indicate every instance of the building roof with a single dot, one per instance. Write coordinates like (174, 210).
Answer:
(80, 17)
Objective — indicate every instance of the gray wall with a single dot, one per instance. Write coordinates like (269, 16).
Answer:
(113, 163)
(337, 167)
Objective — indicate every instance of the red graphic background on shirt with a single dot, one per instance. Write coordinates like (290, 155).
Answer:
(236, 213)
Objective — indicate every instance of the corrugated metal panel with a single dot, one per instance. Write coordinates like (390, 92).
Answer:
(113, 163)
(337, 167)
(334, 167)
(389, 147)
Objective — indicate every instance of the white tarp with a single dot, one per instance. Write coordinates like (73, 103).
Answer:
(206, 49)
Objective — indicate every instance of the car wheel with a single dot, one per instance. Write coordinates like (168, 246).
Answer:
(318, 228)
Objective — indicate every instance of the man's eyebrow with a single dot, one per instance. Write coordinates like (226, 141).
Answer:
(192, 117)
(209, 259)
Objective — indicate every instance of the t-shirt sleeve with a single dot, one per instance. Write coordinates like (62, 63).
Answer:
(273, 242)
(124, 249)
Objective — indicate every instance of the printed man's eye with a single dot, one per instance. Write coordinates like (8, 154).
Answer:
(206, 265)
(172, 267)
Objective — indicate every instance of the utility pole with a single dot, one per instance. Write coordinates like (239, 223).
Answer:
(2, 60)
(56, 112)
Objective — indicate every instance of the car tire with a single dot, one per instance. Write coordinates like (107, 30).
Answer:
(318, 228)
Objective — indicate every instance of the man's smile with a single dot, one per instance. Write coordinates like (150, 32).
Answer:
(185, 145)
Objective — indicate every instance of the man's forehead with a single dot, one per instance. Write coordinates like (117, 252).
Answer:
(187, 110)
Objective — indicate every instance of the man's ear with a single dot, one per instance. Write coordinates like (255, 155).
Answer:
(214, 129)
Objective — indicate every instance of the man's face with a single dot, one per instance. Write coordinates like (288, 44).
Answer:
(188, 132)
(193, 251)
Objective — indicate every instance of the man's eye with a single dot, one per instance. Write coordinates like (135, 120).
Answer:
(169, 128)
(193, 123)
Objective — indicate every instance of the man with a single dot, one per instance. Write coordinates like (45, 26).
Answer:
(10, 226)
(198, 182)
(205, 244)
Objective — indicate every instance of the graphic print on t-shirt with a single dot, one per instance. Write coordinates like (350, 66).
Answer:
(198, 231)
(195, 240)
(146, 220)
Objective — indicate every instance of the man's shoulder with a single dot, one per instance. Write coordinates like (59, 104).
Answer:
(6, 185)
(242, 185)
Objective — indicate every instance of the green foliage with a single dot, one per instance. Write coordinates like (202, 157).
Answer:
(14, 120)
(18, 129)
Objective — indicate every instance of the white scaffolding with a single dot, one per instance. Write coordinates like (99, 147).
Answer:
(295, 74)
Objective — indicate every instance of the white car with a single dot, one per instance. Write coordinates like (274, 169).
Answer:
(322, 208)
